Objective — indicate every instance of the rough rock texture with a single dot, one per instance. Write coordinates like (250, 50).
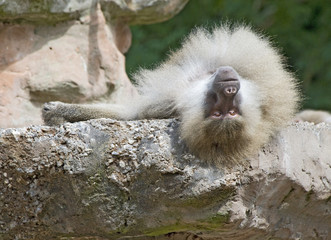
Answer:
(140, 11)
(132, 11)
(135, 180)
(67, 51)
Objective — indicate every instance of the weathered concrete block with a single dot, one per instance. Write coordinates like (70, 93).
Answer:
(116, 179)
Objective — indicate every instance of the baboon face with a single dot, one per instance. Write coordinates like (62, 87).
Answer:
(222, 100)
(222, 104)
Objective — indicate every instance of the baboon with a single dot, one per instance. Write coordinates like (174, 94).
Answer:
(229, 87)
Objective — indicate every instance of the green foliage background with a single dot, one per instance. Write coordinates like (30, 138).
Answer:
(301, 28)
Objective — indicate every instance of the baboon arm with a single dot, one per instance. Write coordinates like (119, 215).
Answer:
(55, 113)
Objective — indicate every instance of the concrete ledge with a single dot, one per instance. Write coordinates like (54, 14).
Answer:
(134, 180)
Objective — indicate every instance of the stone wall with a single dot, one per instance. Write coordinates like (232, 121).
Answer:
(135, 180)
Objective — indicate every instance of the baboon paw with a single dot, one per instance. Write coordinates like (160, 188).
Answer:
(50, 106)
(51, 113)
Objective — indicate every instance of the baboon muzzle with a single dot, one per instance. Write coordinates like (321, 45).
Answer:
(223, 98)
(226, 82)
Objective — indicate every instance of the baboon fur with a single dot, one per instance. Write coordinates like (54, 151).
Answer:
(178, 88)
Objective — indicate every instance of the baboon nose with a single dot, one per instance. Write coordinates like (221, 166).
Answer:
(226, 81)
(231, 90)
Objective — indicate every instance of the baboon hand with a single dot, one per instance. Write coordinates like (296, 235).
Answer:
(53, 113)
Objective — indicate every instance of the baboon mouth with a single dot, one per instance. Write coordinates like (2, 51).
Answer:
(217, 115)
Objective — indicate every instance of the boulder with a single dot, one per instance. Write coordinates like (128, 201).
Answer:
(76, 61)
(110, 179)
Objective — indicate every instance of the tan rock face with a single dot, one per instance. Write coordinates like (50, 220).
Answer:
(76, 61)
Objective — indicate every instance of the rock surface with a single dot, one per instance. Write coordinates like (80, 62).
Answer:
(135, 180)
(53, 11)
(69, 62)
(142, 12)
(67, 51)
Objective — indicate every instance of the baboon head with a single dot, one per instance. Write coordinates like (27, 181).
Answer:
(223, 117)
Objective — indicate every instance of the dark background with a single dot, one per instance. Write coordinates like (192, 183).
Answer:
(300, 28)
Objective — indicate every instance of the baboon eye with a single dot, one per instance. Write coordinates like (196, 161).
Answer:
(216, 114)
(232, 112)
